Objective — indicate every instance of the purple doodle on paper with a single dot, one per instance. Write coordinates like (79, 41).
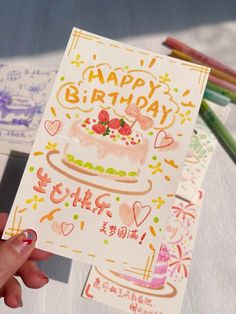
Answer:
(23, 122)
(28, 112)
(13, 75)
(5, 98)
(35, 88)
(6, 108)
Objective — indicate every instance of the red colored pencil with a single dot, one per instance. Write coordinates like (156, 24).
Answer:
(178, 45)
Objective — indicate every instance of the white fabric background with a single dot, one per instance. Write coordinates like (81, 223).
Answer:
(36, 32)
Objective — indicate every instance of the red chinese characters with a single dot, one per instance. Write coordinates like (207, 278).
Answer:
(59, 193)
(43, 181)
(138, 303)
(121, 232)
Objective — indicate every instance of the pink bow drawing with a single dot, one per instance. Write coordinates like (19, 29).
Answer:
(144, 121)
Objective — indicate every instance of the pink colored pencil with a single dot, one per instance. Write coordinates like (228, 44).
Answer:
(216, 80)
(222, 83)
(176, 44)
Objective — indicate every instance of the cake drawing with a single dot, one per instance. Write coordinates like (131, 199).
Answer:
(159, 273)
(107, 147)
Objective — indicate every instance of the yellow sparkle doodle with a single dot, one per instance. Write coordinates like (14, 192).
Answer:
(157, 168)
(51, 146)
(159, 202)
(53, 111)
(171, 162)
(50, 215)
(185, 116)
(38, 153)
(165, 78)
(77, 62)
(187, 104)
(34, 201)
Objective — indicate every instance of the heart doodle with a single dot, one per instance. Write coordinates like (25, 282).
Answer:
(140, 213)
(163, 140)
(66, 228)
(52, 127)
(127, 215)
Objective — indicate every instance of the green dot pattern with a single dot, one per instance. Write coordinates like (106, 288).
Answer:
(76, 217)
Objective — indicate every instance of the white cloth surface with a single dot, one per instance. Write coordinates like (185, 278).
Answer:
(208, 27)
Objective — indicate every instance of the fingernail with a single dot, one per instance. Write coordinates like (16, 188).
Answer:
(19, 301)
(44, 277)
(22, 242)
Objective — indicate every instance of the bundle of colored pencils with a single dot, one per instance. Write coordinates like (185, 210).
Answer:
(221, 89)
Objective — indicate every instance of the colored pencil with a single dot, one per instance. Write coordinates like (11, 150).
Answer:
(222, 83)
(222, 91)
(176, 44)
(211, 78)
(219, 130)
(215, 72)
(216, 97)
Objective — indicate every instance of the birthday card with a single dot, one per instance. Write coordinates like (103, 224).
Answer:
(104, 168)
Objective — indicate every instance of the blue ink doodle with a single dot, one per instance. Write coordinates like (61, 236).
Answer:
(5, 98)
(28, 112)
(23, 122)
(6, 108)
(35, 88)
(13, 75)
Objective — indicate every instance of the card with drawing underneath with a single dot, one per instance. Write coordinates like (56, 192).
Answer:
(106, 161)
(198, 157)
(165, 292)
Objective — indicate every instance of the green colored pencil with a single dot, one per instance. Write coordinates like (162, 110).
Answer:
(222, 91)
(219, 130)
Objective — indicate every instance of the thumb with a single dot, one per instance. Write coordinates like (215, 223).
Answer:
(14, 252)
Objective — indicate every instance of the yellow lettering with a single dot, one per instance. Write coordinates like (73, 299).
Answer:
(126, 100)
(112, 77)
(84, 99)
(71, 94)
(165, 113)
(127, 79)
(154, 107)
(114, 97)
(93, 75)
(97, 95)
(138, 83)
(152, 88)
(141, 102)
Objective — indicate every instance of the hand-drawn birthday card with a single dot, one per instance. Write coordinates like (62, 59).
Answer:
(23, 96)
(105, 165)
(164, 293)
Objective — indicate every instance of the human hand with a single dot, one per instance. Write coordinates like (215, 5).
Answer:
(17, 258)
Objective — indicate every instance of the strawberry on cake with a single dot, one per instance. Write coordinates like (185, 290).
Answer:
(107, 147)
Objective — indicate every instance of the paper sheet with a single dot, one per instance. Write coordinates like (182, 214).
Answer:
(23, 95)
